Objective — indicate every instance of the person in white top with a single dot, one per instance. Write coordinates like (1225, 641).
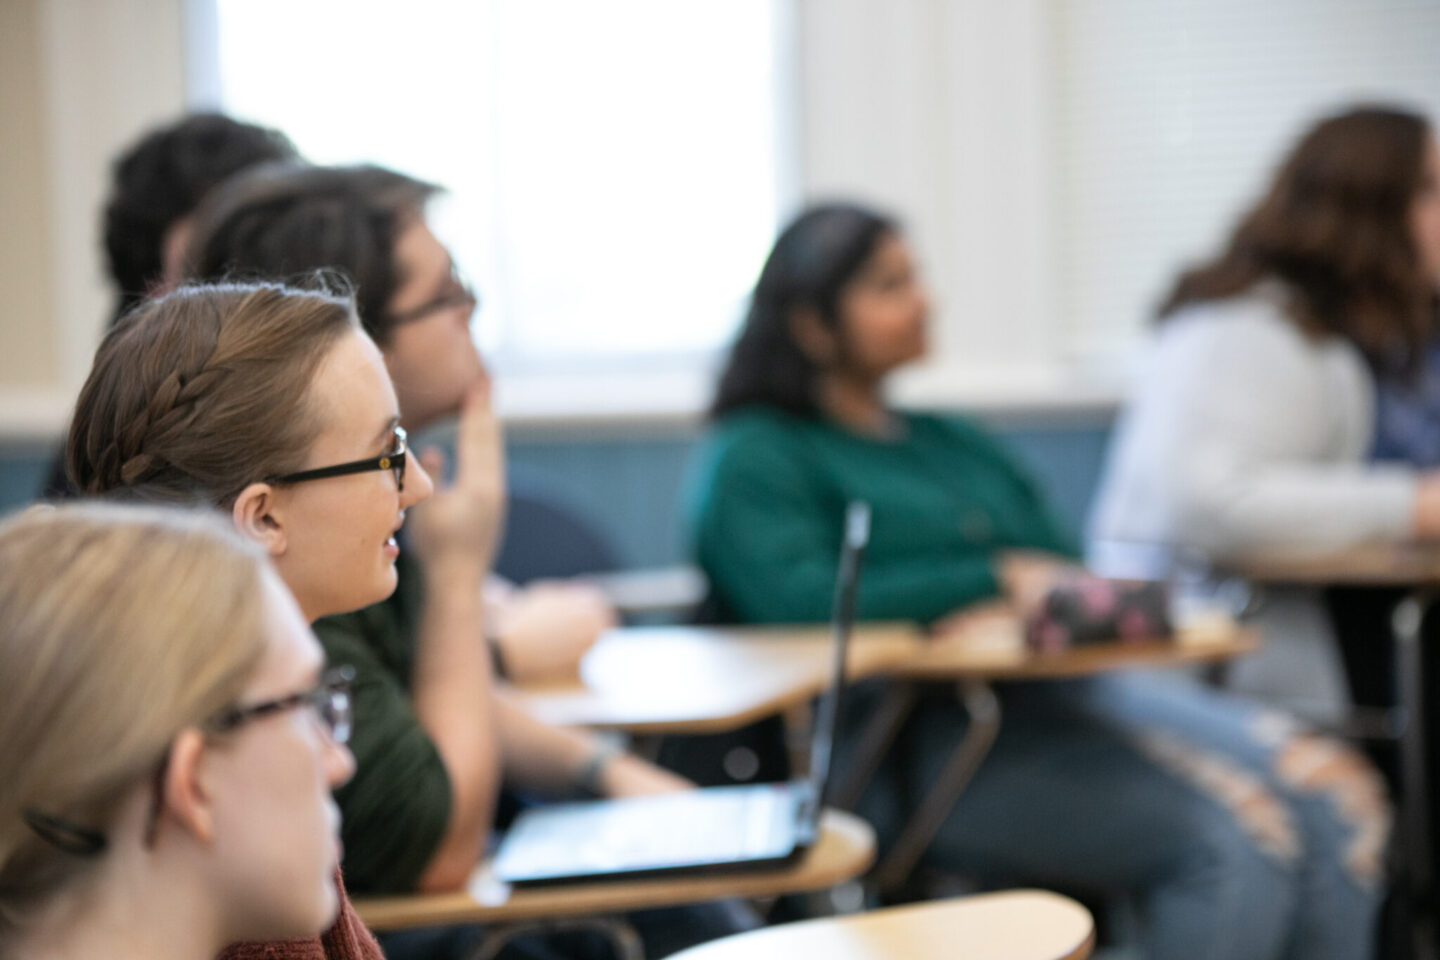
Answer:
(1252, 422)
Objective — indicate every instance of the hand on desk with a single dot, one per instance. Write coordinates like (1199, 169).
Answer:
(974, 619)
(627, 775)
(1026, 576)
(545, 628)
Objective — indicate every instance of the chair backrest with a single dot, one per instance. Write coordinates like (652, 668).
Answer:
(546, 538)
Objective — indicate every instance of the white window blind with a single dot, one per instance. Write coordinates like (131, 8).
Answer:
(1173, 113)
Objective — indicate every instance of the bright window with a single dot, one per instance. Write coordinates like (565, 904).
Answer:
(614, 169)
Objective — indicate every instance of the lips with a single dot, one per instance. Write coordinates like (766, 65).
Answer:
(392, 543)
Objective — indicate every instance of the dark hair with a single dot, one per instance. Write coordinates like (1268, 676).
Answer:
(281, 220)
(204, 390)
(1334, 228)
(812, 261)
(164, 177)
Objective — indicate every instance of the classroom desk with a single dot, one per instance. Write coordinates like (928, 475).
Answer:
(1416, 568)
(845, 849)
(669, 680)
(664, 591)
(1014, 925)
(692, 680)
(991, 648)
(1369, 565)
(987, 650)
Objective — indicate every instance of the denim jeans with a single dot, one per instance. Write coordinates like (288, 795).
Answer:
(1238, 834)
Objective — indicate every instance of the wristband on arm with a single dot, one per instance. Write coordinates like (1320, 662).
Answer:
(587, 778)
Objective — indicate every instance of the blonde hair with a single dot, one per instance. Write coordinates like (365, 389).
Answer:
(121, 626)
(205, 390)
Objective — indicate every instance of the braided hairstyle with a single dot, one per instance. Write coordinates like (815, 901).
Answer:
(205, 390)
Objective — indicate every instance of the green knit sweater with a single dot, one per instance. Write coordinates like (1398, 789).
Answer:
(397, 806)
(767, 498)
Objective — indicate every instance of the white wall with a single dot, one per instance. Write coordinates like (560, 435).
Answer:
(80, 78)
(939, 111)
(934, 109)
(990, 128)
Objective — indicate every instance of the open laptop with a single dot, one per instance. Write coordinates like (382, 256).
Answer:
(702, 830)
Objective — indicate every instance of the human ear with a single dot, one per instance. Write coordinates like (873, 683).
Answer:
(188, 798)
(256, 514)
(813, 337)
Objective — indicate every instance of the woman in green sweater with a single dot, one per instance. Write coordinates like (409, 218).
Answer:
(1240, 834)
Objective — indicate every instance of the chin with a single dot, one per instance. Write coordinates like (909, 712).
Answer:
(330, 905)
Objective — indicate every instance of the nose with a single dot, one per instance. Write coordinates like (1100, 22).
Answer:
(920, 295)
(339, 763)
(418, 484)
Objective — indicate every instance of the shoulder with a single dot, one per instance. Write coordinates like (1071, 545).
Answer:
(1258, 320)
(756, 426)
(1251, 336)
(955, 435)
(951, 427)
(755, 438)
(755, 460)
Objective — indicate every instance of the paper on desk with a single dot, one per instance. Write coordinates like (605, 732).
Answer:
(487, 889)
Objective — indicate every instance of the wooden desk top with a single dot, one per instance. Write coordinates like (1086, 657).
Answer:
(1370, 564)
(1016, 925)
(678, 680)
(993, 648)
(707, 679)
(846, 849)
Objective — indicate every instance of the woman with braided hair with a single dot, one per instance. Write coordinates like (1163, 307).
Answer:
(272, 403)
(240, 395)
(236, 395)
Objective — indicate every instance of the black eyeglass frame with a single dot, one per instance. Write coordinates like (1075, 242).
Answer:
(461, 295)
(393, 461)
(330, 699)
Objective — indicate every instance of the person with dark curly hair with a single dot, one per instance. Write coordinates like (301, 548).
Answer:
(155, 186)
(157, 183)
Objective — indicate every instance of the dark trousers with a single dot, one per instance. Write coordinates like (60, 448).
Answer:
(1362, 620)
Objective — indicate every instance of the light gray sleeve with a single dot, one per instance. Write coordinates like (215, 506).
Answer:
(1248, 437)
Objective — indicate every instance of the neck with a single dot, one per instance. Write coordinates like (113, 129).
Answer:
(122, 913)
(855, 403)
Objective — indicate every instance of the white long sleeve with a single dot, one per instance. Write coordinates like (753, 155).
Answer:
(1247, 434)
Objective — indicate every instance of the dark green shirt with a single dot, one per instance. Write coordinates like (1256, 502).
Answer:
(768, 501)
(397, 805)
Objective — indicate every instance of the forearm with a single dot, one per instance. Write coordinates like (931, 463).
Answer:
(536, 755)
(1325, 506)
(453, 690)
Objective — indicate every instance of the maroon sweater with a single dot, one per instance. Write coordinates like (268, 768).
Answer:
(347, 939)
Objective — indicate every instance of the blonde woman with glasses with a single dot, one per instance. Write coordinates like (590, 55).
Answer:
(170, 741)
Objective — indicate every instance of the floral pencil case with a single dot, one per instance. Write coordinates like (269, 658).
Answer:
(1088, 609)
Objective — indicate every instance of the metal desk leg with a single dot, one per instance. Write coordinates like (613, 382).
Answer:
(983, 707)
(879, 733)
(1407, 625)
(621, 935)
